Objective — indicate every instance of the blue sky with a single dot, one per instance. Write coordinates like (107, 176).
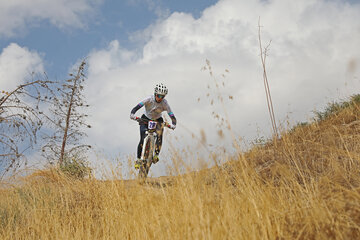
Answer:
(132, 45)
(111, 19)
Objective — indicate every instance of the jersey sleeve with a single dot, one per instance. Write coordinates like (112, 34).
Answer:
(168, 109)
(145, 101)
(140, 105)
(171, 114)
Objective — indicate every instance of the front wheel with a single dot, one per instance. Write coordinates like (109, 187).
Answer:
(143, 171)
(146, 160)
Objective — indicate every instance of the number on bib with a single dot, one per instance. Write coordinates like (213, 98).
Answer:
(152, 125)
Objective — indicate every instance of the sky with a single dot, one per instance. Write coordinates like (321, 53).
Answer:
(131, 45)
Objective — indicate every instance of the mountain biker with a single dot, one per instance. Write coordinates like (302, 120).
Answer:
(154, 106)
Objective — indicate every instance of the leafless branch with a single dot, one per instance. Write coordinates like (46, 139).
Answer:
(20, 120)
(67, 120)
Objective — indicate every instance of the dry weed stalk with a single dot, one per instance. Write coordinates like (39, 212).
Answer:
(223, 121)
(263, 55)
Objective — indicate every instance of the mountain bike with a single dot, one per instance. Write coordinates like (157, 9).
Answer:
(148, 148)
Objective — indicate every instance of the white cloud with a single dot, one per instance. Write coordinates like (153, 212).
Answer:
(16, 15)
(16, 64)
(313, 58)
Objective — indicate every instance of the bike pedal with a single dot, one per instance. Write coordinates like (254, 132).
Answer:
(137, 164)
(155, 159)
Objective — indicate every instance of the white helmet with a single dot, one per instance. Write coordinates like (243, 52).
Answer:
(161, 89)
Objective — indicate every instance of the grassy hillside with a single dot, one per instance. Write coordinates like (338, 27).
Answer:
(305, 185)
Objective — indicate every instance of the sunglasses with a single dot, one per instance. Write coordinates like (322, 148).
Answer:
(160, 96)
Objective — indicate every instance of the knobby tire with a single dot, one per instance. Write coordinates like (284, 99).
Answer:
(145, 167)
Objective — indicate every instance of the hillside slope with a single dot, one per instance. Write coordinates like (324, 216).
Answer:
(305, 185)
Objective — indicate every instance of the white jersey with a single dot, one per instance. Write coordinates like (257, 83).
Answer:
(154, 109)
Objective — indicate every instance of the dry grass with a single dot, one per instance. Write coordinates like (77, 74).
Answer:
(305, 185)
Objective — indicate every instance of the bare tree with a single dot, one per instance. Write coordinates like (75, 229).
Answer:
(21, 118)
(68, 120)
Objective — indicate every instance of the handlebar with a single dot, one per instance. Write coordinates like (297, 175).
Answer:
(145, 121)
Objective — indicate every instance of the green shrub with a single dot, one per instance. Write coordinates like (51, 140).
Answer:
(76, 167)
(336, 107)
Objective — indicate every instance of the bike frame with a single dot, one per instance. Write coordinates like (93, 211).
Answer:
(150, 139)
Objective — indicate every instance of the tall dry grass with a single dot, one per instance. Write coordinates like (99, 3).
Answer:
(305, 185)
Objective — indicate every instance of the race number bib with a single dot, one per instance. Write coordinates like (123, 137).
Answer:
(152, 125)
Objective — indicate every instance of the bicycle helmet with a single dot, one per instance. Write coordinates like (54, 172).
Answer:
(161, 89)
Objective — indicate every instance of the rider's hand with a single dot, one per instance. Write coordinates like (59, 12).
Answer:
(132, 116)
(172, 126)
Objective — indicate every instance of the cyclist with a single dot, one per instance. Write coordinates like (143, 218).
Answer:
(154, 106)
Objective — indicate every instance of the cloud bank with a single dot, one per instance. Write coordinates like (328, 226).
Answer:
(313, 59)
(16, 15)
(16, 64)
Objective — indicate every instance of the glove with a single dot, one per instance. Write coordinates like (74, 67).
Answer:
(132, 116)
(172, 126)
